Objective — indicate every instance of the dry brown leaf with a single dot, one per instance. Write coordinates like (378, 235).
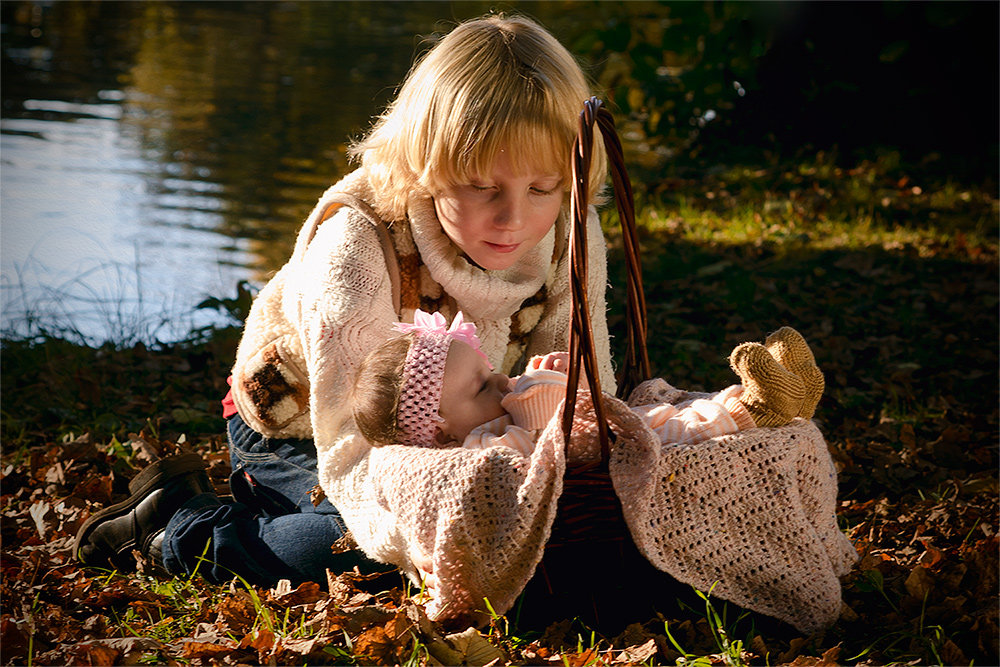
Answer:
(344, 544)
(262, 641)
(144, 449)
(794, 649)
(94, 487)
(14, 636)
(235, 611)
(129, 648)
(586, 657)
(195, 649)
(637, 654)
(95, 654)
(307, 593)
(920, 582)
(951, 654)
(299, 646)
(828, 659)
(376, 645)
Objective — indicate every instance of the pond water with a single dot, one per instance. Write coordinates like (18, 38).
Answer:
(154, 154)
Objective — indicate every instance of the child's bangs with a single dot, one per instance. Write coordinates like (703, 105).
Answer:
(539, 148)
(530, 146)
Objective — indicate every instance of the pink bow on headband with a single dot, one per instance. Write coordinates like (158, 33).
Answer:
(435, 323)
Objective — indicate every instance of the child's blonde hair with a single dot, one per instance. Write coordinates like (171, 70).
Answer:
(377, 385)
(497, 82)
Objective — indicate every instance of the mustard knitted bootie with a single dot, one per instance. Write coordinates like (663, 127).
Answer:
(771, 394)
(791, 350)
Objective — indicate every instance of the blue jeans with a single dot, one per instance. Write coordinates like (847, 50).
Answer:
(270, 529)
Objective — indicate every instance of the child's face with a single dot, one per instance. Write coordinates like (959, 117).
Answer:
(499, 217)
(470, 392)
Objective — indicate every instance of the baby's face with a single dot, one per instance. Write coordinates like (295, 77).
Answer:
(470, 393)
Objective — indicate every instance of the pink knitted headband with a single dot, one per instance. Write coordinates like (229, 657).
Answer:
(423, 373)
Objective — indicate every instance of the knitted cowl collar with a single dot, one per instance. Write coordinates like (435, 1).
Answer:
(479, 294)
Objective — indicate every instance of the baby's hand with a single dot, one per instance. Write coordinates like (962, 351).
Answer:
(553, 361)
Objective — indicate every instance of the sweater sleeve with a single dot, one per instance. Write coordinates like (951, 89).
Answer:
(501, 432)
(535, 398)
(342, 300)
(552, 331)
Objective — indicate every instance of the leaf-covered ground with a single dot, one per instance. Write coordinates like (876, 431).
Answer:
(902, 312)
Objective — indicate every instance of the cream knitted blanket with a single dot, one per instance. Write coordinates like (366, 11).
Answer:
(751, 514)
(480, 517)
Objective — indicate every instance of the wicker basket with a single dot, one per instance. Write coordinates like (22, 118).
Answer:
(589, 509)
(591, 566)
(581, 339)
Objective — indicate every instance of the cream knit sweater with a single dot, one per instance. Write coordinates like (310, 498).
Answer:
(332, 303)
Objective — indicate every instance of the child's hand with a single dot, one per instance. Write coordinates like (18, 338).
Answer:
(553, 361)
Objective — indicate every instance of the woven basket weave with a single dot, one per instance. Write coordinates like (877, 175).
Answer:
(589, 509)
(591, 568)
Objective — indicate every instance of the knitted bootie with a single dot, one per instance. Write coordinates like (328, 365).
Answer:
(772, 395)
(791, 350)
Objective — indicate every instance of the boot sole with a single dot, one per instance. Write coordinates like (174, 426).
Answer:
(151, 477)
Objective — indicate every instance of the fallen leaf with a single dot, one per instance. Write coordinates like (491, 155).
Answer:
(828, 659)
(638, 654)
(794, 649)
(143, 449)
(196, 649)
(38, 511)
(306, 593)
(931, 556)
(919, 582)
(344, 544)
(474, 648)
(376, 645)
(283, 587)
(95, 653)
(951, 654)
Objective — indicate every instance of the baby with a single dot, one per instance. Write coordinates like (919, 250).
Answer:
(433, 387)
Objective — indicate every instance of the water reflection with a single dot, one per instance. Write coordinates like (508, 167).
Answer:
(157, 153)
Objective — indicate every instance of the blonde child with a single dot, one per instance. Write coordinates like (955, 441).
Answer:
(460, 202)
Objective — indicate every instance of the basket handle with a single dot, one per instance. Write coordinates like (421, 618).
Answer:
(581, 338)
